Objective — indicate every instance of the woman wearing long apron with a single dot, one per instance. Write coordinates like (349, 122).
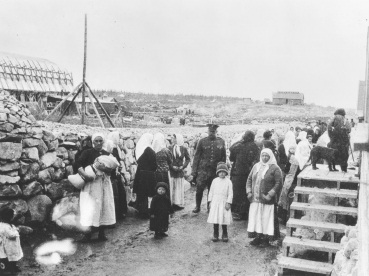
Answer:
(145, 182)
(181, 159)
(163, 158)
(262, 187)
(96, 201)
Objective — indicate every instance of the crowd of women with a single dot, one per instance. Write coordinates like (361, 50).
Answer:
(263, 175)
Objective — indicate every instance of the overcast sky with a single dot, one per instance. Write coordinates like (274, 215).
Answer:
(239, 48)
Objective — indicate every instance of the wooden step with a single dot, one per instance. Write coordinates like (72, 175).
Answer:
(337, 210)
(308, 224)
(342, 193)
(305, 265)
(315, 245)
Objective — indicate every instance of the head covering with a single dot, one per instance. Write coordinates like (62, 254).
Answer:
(163, 185)
(177, 145)
(303, 151)
(114, 136)
(159, 142)
(297, 128)
(109, 146)
(86, 142)
(95, 135)
(222, 167)
(265, 166)
(267, 134)
(302, 136)
(340, 111)
(144, 142)
(212, 127)
(249, 136)
(289, 141)
(269, 144)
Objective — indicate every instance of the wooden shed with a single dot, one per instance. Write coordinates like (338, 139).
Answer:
(291, 98)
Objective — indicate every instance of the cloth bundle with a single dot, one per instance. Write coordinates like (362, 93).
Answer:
(78, 181)
(106, 163)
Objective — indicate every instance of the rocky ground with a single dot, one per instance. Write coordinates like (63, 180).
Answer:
(132, 250)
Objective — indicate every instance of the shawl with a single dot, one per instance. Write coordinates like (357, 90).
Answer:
(265, 166)
(159, 142)
(289, 141)
(178, 144)
(144, 142)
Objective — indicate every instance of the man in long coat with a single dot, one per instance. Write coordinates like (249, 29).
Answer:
(209, 151)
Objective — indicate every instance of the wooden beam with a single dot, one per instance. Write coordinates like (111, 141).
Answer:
(62, 102)
(95, 109)
(84, 76)
(103, 109)
(66, 109)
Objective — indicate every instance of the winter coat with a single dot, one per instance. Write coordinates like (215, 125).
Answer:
(145, 182)
(160, 209)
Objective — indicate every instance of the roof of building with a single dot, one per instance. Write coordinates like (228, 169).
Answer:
(21, 73)
(288, 95)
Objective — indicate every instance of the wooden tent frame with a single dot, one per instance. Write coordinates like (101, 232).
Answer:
(83, 88)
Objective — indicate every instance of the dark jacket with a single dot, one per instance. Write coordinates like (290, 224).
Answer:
(208, 153)
(178, 161)
(145, 182)
(243, 155)
(271, 184)
(160, 209)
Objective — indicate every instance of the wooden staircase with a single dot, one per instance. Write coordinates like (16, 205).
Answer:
(301, 191)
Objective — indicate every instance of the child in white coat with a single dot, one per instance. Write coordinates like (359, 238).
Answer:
(220, 199)
(10, 246)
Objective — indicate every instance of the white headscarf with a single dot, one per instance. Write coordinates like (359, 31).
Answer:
(159, 142)
(265, 166)
(302, 136)
(95, 135)
(114, 137)
(303, 150)
(109, 146)
(177, 145)
(289, 141)
(143, 143)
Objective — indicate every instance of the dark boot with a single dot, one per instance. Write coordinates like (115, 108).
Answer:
(225, 233)
(257, 241)
(264, 241)
(101, 236)
(86, 238)
(216, 233)
(198, 201)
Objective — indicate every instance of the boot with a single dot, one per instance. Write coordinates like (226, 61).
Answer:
(198, 202)
(225, 233)
(86, 238)
(216, 233)
(256, 241)
(101, 236)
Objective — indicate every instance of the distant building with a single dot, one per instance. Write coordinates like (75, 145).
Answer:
(291, 98)
(361, 99)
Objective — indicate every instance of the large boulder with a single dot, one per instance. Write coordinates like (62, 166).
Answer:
(6, 127)
(71, 137)
(30, 142)
(52, 145)
(59, 174)
(48, 159)
(10, 151)
(18, 205)
(10, 191)
(46, 176)
(62, 153)
(68, 171)
(58, 163)
(32, 189)
(48, 135)
(39, 207)
(9, 167)
(58, 190)
(6, 179)
(30, 154)
(42, 148)
(31, 173)
(24, 167)
(35, 132)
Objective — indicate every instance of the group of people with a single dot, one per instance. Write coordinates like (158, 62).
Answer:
(251, 180)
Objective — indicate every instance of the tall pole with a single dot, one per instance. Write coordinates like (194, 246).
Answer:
(84, 76)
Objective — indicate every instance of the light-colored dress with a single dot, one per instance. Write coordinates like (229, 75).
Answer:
(97, 202)
(221, 192)
(10, 246)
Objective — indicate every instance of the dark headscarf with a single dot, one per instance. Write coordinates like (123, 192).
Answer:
(340, 111)
(269, 145)
(267, 134)
(249, 136)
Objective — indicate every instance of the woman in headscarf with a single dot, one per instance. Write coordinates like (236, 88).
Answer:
(291, 170)
(144, 182)
(120, 197)
(244, 154)
(181, 159)
(96, 201)
(303, 149)
(262, 187)
(283, 149)
(163, 158)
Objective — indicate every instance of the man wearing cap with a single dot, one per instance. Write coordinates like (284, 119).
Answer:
(209, 151)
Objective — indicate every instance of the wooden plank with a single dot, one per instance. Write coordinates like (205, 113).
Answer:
(324, 226)
(315, 245)
(336, 210)
(342, 193)
(305, 265)
(361, 138)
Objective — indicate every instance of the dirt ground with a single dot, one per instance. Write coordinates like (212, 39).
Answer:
(132, 250)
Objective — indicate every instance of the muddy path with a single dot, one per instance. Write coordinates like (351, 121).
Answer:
(132, 250)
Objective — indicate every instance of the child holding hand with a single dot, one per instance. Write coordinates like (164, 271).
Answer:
(220, 199)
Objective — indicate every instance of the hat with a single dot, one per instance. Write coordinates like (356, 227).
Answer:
(222, 167)
(340, 111)
(212, 127)
(163, 185)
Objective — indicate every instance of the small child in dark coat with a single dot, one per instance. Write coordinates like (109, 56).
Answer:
(160, 209)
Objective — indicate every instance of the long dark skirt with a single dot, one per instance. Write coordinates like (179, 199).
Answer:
(120, 197)
(240, 203)
(142, 205)
(159, 223)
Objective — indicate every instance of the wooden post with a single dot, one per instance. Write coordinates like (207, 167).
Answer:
(65, 111)
(61, 103)
(84, 76)
(102, 108)
(95, 109)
